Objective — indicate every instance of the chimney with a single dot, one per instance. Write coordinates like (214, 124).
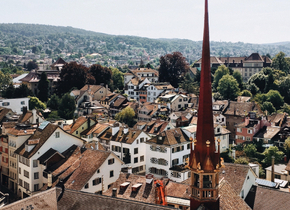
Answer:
(89, 122)
(24, 110)
(273, 169)
(129, 170)
(49, 181)
(61, 184)
(115, 128)
(126, 129)
(114, 192)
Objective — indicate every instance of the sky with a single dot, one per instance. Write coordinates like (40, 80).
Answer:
(250, 21)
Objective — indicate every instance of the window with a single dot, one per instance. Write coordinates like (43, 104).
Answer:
(111, 173)
(239, 130)
(142, 158)
(26, 174)
(179, 106)
(97, 181)
(188, 146)
(20, 182)
(36, 175)
(57, 134)
(22, 102)
(137, 141)
(19, 170)
(141, 140)
(111, 161)
(5, 104)
(218, 130)
(35, 163)
(36, 187)
(175, 162)
(180, 100)
(87, 186)
(77, 132)
(250, 131)
(135, 150)
(248, 138)
(26, 185)
(98, 171)
(136, 160)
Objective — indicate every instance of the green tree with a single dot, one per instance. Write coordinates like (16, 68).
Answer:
(268, 106)
(35, 103)
(287, 147)
(126, 116)
(275, 98)
(250, 150)
(272, 151)
(118, 79)
(280, 62)
(228, 87)
(31, 65)
(190, 85)
(238, 76)
(173, 68)
(67, 107)
(22, 91)
(53, 102)
(101, 74)
(5, 80)
(284, 88)
(241, 160)
(285, 108)
(246, 93)
(219, 73)
(43, 87)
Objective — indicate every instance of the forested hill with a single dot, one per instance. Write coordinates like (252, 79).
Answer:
(52, 40)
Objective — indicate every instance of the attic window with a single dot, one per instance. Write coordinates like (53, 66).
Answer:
(124, 185)
(136, 187)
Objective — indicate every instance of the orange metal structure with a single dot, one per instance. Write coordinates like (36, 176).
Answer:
(160, 193)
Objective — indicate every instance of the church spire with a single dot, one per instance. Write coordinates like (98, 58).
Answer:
(204, 160)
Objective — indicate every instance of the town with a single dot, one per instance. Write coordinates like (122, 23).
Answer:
(170, 133)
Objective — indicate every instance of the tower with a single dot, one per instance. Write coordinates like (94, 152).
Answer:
(204, 159)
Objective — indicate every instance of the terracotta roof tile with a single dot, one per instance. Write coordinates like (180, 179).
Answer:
(128, 138)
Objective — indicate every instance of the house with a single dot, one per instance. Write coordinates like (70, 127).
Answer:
(281, 171)
(147, 111)
(155, 89)
(175, 115)
(6, 114)
(278, 119)
(154, 127)
(30, 117)
(16, 134)
(93, 132)
(30, 170)
(219, 106)
(243, 99)
(236, 112)
(169, 148)
(114, 102)
(15, 104)
(58, 64)
(96, 91)
(80, 125)
(128, 144)
(151, 74)
(134, 86)
(268, 134)
(219, 119)
(250, 127)
(66, 199)
(84, 170)
(175, 102)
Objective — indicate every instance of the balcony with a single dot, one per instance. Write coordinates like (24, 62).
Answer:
(204, 194)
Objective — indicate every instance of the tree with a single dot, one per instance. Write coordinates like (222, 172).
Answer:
(5, 80)
(22, 91)
(172, 68)
(241, 160)
(72, 75)
(9, 92)
(268, 106)
(35, 103)
(126, 115)
(53, 102)
(67, 107)
(272, 151)
(284, 88)
(250, 150)
(238, 76)
(118, 79)
(246, 93)
(287, 147)
(219, 73)
(275, 98)
(228, 87)
(280, 62)
(101, 74)
(31, 65)
(43, 87)
(189, 85)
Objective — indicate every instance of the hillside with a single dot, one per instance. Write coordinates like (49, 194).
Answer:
(50, 41)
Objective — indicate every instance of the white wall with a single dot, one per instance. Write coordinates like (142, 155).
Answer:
(248, 184)
(15, 104)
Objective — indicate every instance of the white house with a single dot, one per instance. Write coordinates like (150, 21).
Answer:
(46, 137)
(85, 170)
(128, 144)
(165, 151)
(15, 104)
(155, 89)
(175, 115)
(133, 86)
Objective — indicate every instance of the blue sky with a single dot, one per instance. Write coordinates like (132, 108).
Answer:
(253, 21)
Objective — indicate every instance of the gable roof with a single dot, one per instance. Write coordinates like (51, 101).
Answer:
(93, 88)
(78, 123)
(269, 199)
(3, 112)
(242, 108)
(170, 137)
(127, 138)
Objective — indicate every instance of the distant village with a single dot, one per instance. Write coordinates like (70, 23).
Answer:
(97, 154)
